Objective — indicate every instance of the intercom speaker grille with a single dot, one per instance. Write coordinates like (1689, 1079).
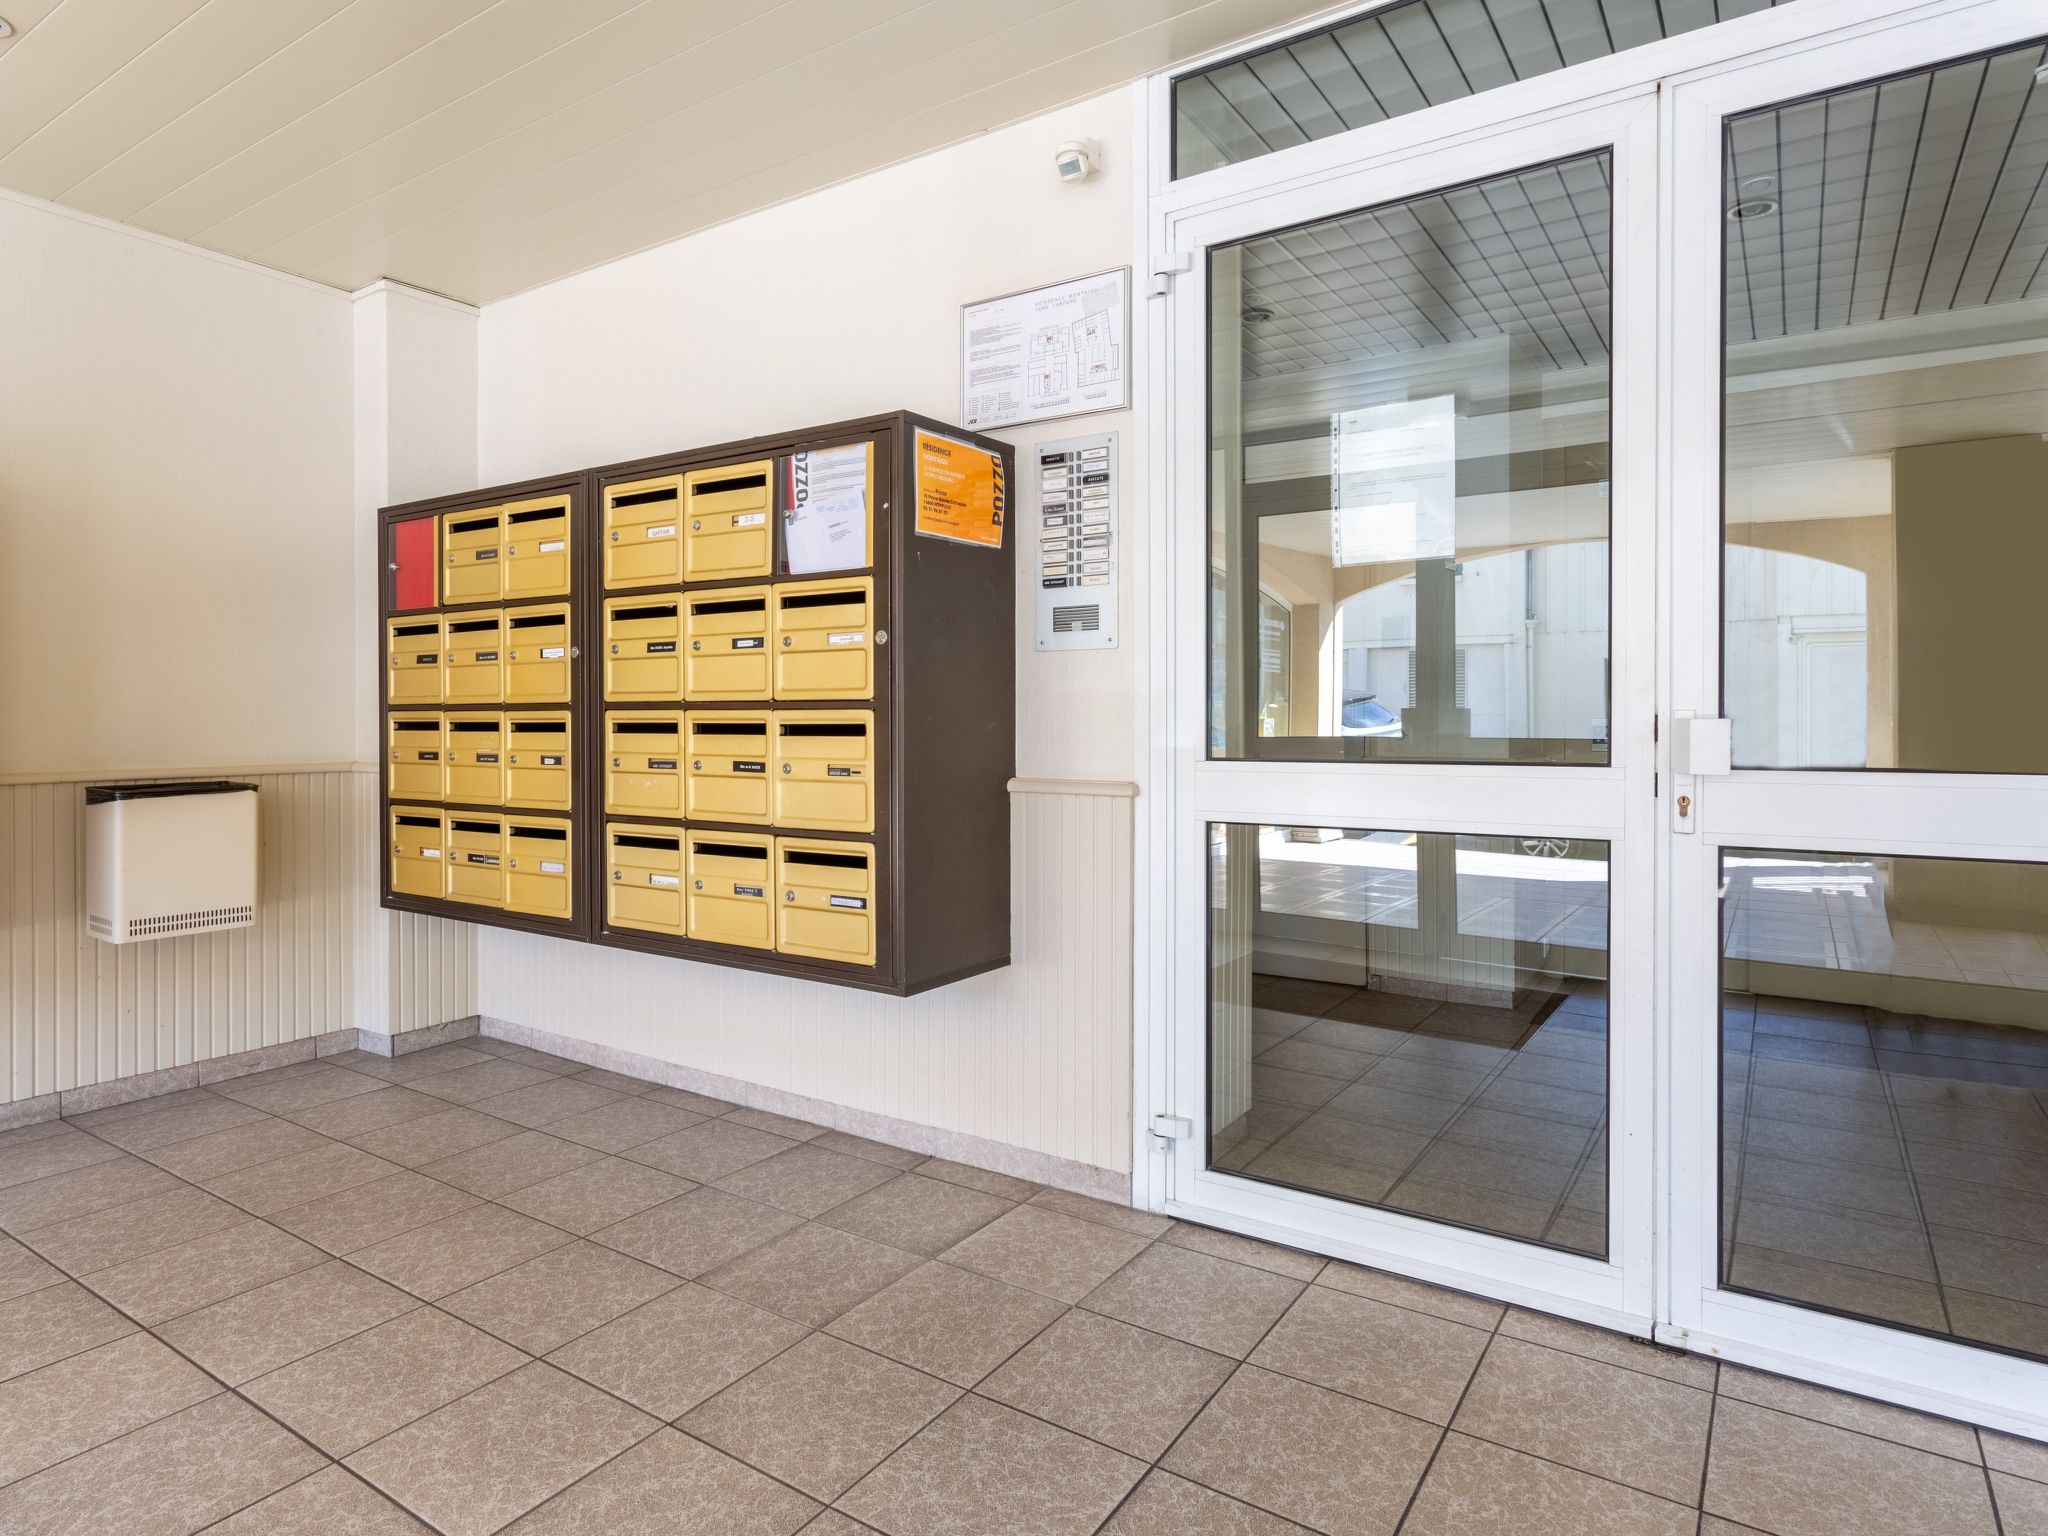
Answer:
(1077, 619)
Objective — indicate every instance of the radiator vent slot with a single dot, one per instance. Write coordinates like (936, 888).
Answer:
(1077, 619)
(190, 922)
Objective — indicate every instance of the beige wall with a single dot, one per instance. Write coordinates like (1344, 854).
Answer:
(843, 304)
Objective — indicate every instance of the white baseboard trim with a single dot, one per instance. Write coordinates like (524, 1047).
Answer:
(957, 1146)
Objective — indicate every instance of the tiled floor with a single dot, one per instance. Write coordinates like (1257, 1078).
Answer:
(478, 1288)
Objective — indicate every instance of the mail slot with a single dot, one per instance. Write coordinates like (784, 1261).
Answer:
(415, 747)
(472, 554)
(473, 665)
(473, 746)
(537, 655)
(537, 761)
(730, 889)
(727, 653)
(412, 661)
(643, 763)
(825, 639)
(537, 548)
(826, 900)
(729, 770)
(537, 867)
(417, 839)
(640, 544)
(476, 859)
(825, 769)
(729, 530)
(644, 881)
(642, 645)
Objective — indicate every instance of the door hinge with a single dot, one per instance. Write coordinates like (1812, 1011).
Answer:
(1166, 269)
(1167, 1129)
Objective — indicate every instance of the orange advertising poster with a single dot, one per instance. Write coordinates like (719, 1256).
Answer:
(960, 492)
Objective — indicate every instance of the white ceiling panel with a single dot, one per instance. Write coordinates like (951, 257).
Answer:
(479, 147)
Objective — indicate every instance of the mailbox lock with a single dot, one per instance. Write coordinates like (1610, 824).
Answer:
(615, 535)
(618, 874)
(615, 650)
(785, 767)
(881, 637)
(511, 549)
(789, 639)
(515, 757)
(789, 895)
(696, 523)
(696, 645)
(615, 762)
(513, 654)
(697, 884)
(511, 863)
(696, 765)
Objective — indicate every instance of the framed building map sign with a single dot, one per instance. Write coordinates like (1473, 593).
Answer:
(1061, 350)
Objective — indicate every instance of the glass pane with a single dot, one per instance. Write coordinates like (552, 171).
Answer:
(1402, 58)
(1409, 462)
(1884, 1089)
(1416, 1021)
(1887, 392)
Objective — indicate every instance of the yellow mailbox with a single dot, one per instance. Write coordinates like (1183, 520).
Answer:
(473, 747)
(644, 879)
(640, 544)
(538, 655)
(473, 665)
(643, 763)
(537, 760)
(729, 772)
(415, 754)
(538, 881)
(417, 839)
(412, 661)
(824, 773)
(825, 639)
(727, 635)
(729, 531)
(730, 877)
(825, 900)
(472, 556)
(642, 640)
(537, 547)
(476, 858)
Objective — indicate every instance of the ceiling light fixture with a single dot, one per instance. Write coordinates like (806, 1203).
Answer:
(1757, 186)
(6, 27)
(1754, 208)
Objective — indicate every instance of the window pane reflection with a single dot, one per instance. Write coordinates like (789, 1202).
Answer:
(1887, 392)
(1885, 1089)
(1416, 1021)
(1409, 469)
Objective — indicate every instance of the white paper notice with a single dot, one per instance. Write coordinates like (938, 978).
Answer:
(825, 516)
(1394, 482)
(1053, 351)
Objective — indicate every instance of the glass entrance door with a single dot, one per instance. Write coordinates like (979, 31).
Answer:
(1415, 779)
(1860, 909)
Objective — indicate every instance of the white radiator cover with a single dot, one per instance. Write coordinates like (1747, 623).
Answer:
(163, 860)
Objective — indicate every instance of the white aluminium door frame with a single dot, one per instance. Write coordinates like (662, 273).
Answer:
(1613, 804)
(1942, 815)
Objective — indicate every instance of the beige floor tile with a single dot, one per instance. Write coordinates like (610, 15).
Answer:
(80, 1192)
(780, 1125)
(874, 1151)
(22, 1271)
(1794, 1477)
(623, 1124)
(678, 1350)
(1165, 1505)
(1945, 1437)
(1212, 1303)
(308, 1175)
(696, 1232)
(414, 1065)
(596, 1194)
(190, 1275)
(543, 1103)
(1122, 1217)
(459, 1250)
(1613, 1348)
(950, 1323)
(370, 1213)
(1306, 1453)
(1475, 1489)
(1997, 1320)
(812, 1274)
(354, 1392)
(499, 1168)
(805, 1180)
(1112, 1382)
(53, 1324)
(1384, 1354)
(1600, 1418)
(304, 1086)
(469, 1468)
(545, 1302)
(146, 1225)
(241, 1146)
(347, 1119)
(696, 1103)
(618, 1082)
(480, 1080)
(434, 1138)
(709, 1151)
(982, 1469)
(2022, 1505)
(833, 1523)
(272, 1325)
(332, 1502)
(178, 1475)
(916, 1214)
(1001, 1185)
(90, 1399)
(1398, 1291)
(1291, 1262)
(506, 1050)
(1043, 1251)
(182, 1122)
(2009, 1453)
(820, 1415)
(672, 1484)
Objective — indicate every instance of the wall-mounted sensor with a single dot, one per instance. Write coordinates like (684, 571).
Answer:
(1077, 159)
(6, 27)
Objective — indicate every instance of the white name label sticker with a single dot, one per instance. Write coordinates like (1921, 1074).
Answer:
(430, 853)
(850, 637)
(664, 879)
(750, 520)
(550, 867)
(550, 546)
(662, 531)
(550, 652)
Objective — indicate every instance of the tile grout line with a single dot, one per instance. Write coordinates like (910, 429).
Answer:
(1443, 1437)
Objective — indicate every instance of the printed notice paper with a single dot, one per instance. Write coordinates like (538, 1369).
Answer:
(959, 491)
(1060, 350)
(825, 510)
